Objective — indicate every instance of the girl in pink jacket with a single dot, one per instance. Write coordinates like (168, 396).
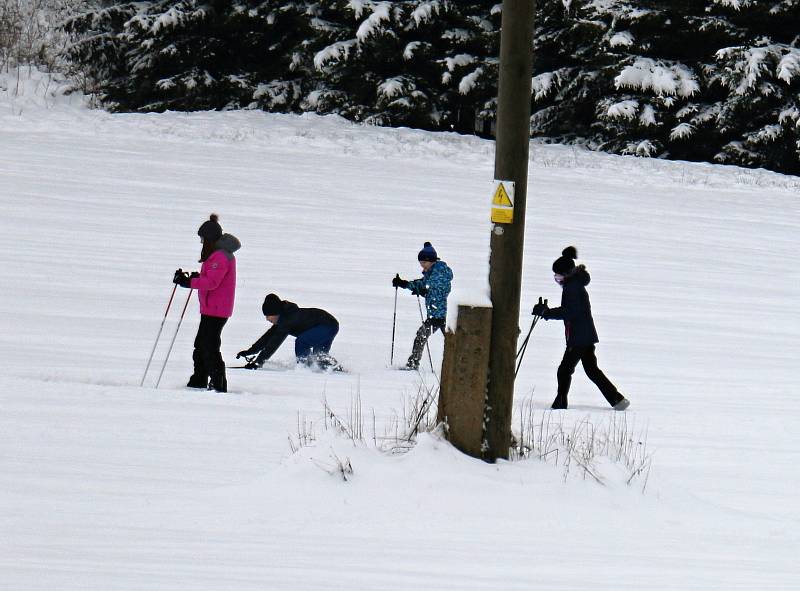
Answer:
(216, 289)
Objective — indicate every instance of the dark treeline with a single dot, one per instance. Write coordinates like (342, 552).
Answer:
(716, 80)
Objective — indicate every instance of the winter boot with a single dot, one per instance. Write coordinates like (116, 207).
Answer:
(196, 381)
(326, 362)
(218, 381)
(622, 404)
(199, 378)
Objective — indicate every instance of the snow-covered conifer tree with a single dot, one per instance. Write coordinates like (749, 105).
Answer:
(192, 54)
(97, 53)
(760, 78)
(356, 51)
(367, 64)
(466, 41)
(422, 63)
(659, 48)
(714, 80)
(571, 72)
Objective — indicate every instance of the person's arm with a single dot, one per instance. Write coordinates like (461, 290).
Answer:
(553, 314)
(418, 286)
(215, 273)
(269, 342)
(265, 346)
(568, 308)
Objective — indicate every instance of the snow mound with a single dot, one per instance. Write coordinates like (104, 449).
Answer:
(27, 90)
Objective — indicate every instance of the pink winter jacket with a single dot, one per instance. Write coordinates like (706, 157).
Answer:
(216, 286)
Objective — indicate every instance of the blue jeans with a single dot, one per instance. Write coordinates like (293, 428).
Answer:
(315, 340)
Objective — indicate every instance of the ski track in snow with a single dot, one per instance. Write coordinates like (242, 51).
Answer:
(106, 485)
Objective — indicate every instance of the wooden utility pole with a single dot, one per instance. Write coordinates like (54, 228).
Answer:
(505, 272)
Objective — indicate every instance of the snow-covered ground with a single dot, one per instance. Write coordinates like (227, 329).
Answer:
(107, 485)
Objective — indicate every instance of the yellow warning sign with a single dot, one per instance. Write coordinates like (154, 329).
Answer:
(501, 196)
(503, 202)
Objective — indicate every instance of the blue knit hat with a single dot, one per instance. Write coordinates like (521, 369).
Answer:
(428, 253)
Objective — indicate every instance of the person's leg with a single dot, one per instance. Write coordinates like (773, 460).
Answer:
(316, 341)
(425, 331)
(213, 356)
(323, 356)
(609, 390)
(314, 345)
(418, 347)
(327, 333)
(304, 344)
(564, 375)
(199, 378)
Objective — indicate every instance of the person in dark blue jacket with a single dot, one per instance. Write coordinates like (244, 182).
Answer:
(313, 329)
(581, 335)
(434, 285)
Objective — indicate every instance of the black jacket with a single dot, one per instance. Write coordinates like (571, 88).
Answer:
(291, 321)
(575, 310)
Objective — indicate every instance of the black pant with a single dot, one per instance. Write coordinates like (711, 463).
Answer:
(207, 357)
(430, 326)
(586, 356)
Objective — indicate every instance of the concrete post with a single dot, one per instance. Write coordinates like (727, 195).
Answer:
(465, 372)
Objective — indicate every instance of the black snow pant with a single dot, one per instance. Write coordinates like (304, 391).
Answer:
(207, 358)
(430, 326)
(586, 356)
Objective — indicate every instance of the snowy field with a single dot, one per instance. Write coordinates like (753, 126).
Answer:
(107, 485)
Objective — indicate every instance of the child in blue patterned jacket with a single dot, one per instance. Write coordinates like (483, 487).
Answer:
(434, 285)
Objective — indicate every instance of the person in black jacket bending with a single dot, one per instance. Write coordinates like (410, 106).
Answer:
(313, 329)
(576, 312)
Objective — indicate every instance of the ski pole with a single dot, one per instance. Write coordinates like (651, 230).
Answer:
(394, 324)
(158, 336)
(163, 367)
(527, 338)
(427, 346)
(521, 352)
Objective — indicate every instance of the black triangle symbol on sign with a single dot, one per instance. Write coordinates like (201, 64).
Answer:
(501, 197)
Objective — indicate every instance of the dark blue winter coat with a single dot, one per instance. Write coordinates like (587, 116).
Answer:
(435, 286)
(575, 310)
(292, 320)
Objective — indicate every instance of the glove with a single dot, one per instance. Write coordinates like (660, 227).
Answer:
(541, 308)
(194, 275)
(397, 282)
(181, 277)
(244, 353)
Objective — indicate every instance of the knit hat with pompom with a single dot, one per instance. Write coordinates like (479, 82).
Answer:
(428, 253)
(565, 264)
(210, 231)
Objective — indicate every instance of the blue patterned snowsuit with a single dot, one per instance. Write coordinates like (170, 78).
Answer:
(435, 286)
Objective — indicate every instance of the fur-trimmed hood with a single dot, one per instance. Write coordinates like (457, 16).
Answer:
(228, 243)
(580, 275)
